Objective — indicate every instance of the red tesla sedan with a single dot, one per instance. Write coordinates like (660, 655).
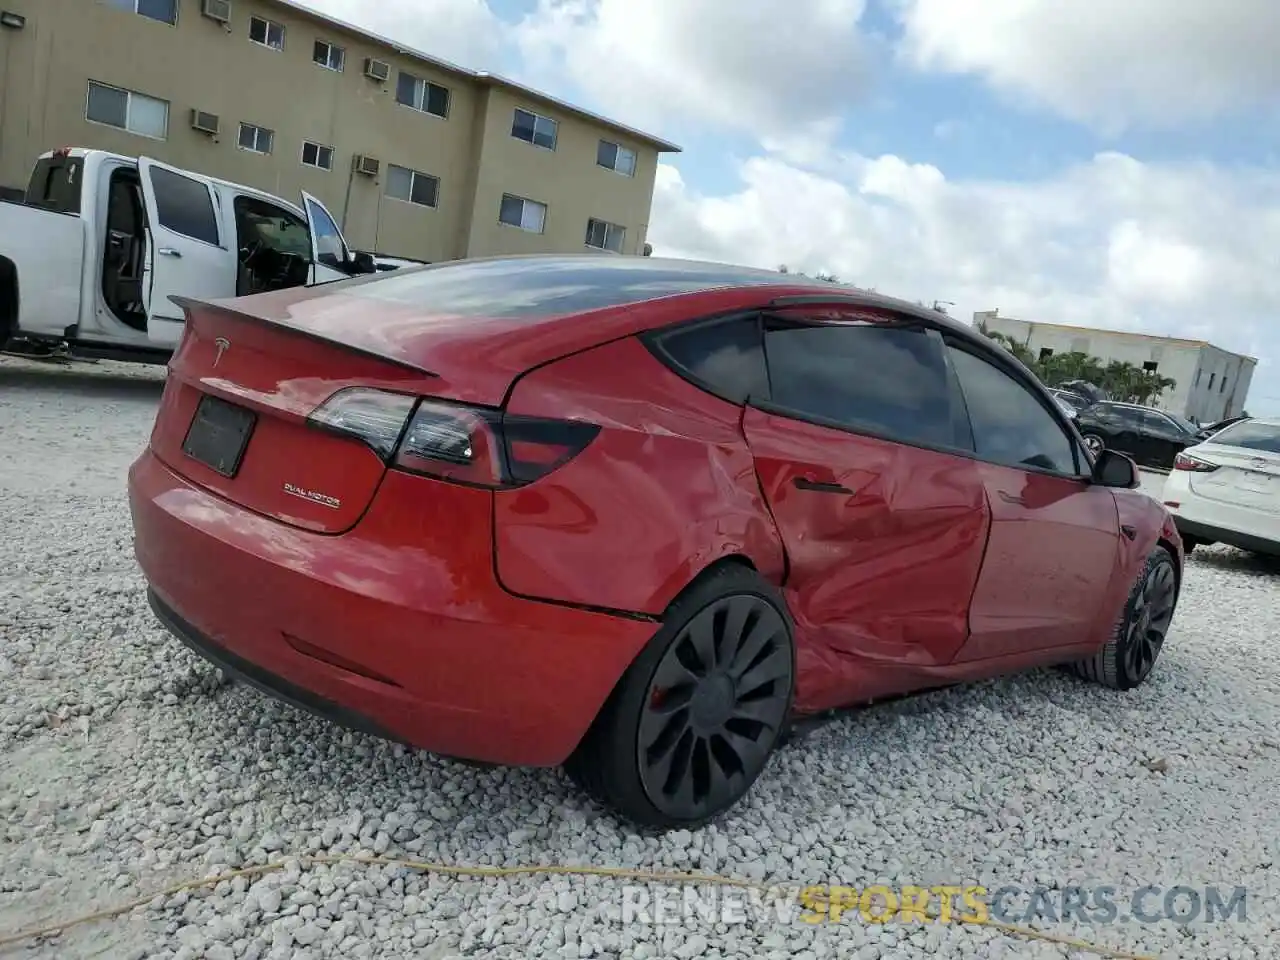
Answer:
(628, 515)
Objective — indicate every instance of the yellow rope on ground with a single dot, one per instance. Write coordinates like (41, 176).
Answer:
(618, 873)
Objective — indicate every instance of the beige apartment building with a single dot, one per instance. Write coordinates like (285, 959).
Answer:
(416, 157)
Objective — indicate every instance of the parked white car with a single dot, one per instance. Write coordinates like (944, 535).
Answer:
(90, 259)
(1227, 489)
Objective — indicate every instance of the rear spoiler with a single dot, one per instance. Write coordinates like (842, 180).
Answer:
(188, 304)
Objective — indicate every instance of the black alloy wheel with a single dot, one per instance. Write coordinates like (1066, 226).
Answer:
(1127, 658)
(1150, 615)
(692, 723)
(718, 698)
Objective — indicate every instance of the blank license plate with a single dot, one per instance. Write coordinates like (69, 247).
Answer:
(218, 435)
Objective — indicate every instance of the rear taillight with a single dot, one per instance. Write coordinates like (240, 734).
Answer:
(1187, 462)
(479, 446)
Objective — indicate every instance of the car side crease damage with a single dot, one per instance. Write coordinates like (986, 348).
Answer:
(630, 515)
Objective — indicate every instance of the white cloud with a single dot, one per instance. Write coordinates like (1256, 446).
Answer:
(1110, 64)
(465, 32)
(1182, 250)
(754, 66)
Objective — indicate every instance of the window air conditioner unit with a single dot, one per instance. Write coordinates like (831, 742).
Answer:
(378, 70)
(368, 166)
(204, 122)
(219, 10)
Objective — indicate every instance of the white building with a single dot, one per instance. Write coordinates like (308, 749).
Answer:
(1212, 383)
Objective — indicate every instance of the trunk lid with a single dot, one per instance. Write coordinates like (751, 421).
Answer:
(1245, 477)
(235, 375)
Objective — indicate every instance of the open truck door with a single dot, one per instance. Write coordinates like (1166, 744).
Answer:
(191, 252)
(331, 258)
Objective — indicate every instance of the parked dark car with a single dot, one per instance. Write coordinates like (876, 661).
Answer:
(1083, 388)
(1209, 429)
(1151, 437)
(1072, 400)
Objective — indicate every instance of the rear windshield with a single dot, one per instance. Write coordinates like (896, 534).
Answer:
(1251, 435)
(55, 184)
(535, 287)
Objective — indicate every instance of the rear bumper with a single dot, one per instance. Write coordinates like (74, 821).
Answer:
(397, 628)
(1213, 521)
(1209, 533)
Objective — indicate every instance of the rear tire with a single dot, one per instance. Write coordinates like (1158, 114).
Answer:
(1129, 655)
(1095, 443)
(693, 721)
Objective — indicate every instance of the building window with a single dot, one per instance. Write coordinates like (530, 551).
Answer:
(329, 56)
(1212, 376)
(531, 128)
(317, 155)
(256, 139)
(1198, 372)
(412, 186)
(526, 214)
(422, 95)
(1222, 385)
(266, 32)
(605, 236)
(166, 11)
(1150, 366)
(145, 116)
(616, 158)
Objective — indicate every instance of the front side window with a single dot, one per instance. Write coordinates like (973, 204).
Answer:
(330, 250)
(605, 236)
(411, 186)
(268, 33)
(615, 157)
(1010, 425)
(532, 128)
(184, 205)
(127, 110)
(422, 95)
(889, 381)
(725, 357)
(523, 213)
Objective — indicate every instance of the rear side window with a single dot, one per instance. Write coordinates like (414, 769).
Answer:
(1010, 425)
(725, 357)
(887, 381)
(184, 205)
(55, 184)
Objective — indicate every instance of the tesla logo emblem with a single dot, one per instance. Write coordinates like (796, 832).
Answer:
(221, 345)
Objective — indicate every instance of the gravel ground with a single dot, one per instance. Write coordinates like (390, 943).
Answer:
(127, 765)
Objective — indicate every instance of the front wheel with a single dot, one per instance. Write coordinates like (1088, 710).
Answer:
(693, 722)
(1128, 656)
(1095, 443)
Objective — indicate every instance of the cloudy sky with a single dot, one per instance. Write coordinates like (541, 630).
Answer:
(1095, 163)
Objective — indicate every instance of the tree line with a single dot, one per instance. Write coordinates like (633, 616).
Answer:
(1121, 380)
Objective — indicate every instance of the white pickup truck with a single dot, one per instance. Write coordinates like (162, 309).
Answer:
(89, 260)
